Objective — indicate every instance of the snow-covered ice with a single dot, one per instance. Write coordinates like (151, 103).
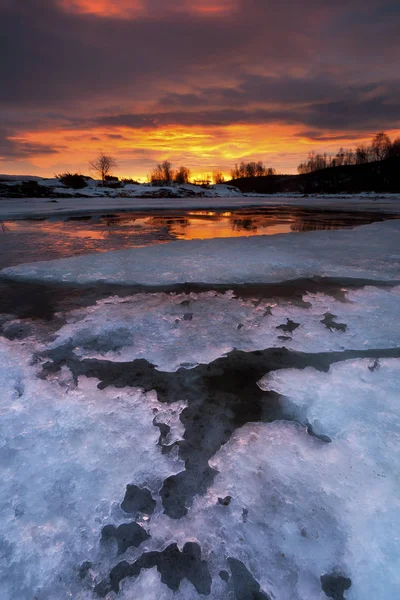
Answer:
(67, 454)
(287, 476)
(171, 330)
(301, 508)
(351, 254)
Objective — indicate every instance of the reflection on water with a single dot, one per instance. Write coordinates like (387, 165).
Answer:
(44, 239)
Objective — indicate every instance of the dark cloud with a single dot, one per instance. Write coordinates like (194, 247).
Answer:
(323, 65)
(328, 108)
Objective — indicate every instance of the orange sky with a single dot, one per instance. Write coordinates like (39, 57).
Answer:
(202, 149)
(201, 83)
(128, 9)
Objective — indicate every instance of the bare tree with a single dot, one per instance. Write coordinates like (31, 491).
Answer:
(395, 148)
(162, 174)
(235, 173)
(166, 168)
(182, 175)
(260, 169)
(156, 176)
(380, 146)
(218, 177)
(103, 165)
(251, 169)
(362, 154)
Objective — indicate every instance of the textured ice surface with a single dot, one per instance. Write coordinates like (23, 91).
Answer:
(302, 508)
(356, 402)
(67, 454)
(358, 405)
(187, 329)
(371, 252)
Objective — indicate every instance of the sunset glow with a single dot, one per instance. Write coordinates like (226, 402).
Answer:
(203, 83)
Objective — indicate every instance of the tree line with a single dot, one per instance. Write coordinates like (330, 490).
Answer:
(251, 169)
(380, 148)
(164, 174)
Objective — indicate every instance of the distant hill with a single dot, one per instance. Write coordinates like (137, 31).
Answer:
(381, 176)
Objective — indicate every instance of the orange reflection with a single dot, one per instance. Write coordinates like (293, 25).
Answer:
(43, 239)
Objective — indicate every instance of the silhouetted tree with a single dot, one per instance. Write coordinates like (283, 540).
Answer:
(260, 169)
(362, 155)
(156, 176)
(218, 177)
(380, 147)
(103, 165)
(182, 175)
(162, 174)
(395, 148)
(251, 169)
(166, 168)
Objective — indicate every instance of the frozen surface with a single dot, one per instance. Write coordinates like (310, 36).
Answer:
(357, 404)
(67, 454)
(301, 508)
(171, 330)
(370, 252)
(306, 489)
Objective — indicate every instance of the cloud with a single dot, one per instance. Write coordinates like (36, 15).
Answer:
(141, 9)
(17, 149)
(148, 64)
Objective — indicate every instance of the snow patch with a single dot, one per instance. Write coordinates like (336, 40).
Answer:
(67, 455)
(174, 330)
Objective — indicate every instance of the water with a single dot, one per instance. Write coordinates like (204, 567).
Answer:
(49, 238)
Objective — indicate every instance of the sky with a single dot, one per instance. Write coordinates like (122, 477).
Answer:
(201, 83)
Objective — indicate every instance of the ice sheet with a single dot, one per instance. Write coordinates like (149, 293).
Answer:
(301, 508)
(67, 455)
(171, 330)
(370, 252)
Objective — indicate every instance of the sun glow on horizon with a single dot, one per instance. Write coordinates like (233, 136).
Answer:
(128, 9)
(201, 149)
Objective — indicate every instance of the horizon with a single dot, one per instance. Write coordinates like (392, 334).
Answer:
(203, 84)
